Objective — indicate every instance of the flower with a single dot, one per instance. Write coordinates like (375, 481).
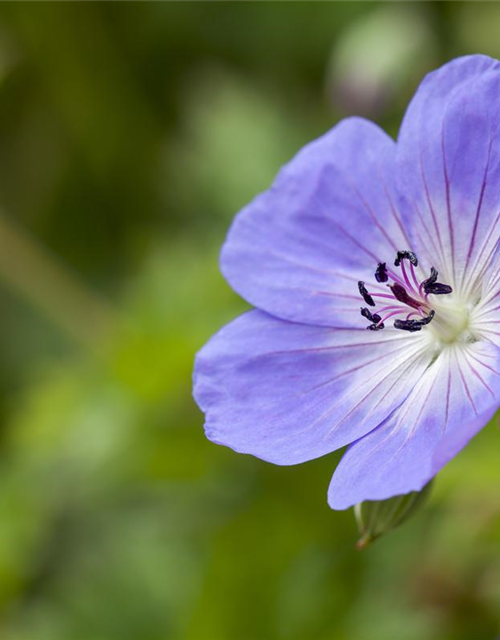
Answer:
(360, 229)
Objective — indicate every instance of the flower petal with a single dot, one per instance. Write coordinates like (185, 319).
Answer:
(298, 250)
(456, 397)
(485, 317)
(449, 163)
(288, 393)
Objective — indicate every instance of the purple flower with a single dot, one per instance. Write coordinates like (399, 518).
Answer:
(360, 232)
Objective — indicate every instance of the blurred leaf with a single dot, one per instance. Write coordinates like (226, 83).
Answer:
(236, 135)
(380, 56)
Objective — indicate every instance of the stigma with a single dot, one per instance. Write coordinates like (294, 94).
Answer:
(406, 299)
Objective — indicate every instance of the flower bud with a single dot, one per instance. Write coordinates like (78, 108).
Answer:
(377, 517)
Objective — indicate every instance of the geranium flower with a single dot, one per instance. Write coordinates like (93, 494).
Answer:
(360, 232)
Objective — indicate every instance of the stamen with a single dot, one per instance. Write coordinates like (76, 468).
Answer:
(391, 308)
(366, 296)
(430, 280)
(395, 277)
(407, 280)
(376, 319)
(376, 327)
(413, 260)
(409, 298)
(414, 325)
(431, 286)
(381, 272)
(439, 289)
(389, 315)
(414, 276)
(406, 255)
(382, 295)
(372, 317)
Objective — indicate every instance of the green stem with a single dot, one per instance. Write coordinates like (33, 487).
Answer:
(31, 271)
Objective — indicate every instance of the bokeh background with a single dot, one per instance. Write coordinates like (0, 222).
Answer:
(130, 135)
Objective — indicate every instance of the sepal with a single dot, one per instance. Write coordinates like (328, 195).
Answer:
(377, 517)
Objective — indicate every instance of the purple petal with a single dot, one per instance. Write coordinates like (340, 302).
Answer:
(298, 250)
(288, 393)
(485, 317)
(449, 161)
(455, 398)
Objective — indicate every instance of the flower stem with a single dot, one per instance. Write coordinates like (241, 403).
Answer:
(39, 277)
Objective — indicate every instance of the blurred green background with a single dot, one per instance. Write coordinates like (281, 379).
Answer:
(130, 135)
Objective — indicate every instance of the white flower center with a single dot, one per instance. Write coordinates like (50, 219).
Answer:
(452, 321)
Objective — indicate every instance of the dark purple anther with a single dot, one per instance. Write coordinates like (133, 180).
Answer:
(381, 273)
(432, 279)
(372, 317)
(437, 288)
(406, 255)
(414, 325)
(366, 296)
(376, 327)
